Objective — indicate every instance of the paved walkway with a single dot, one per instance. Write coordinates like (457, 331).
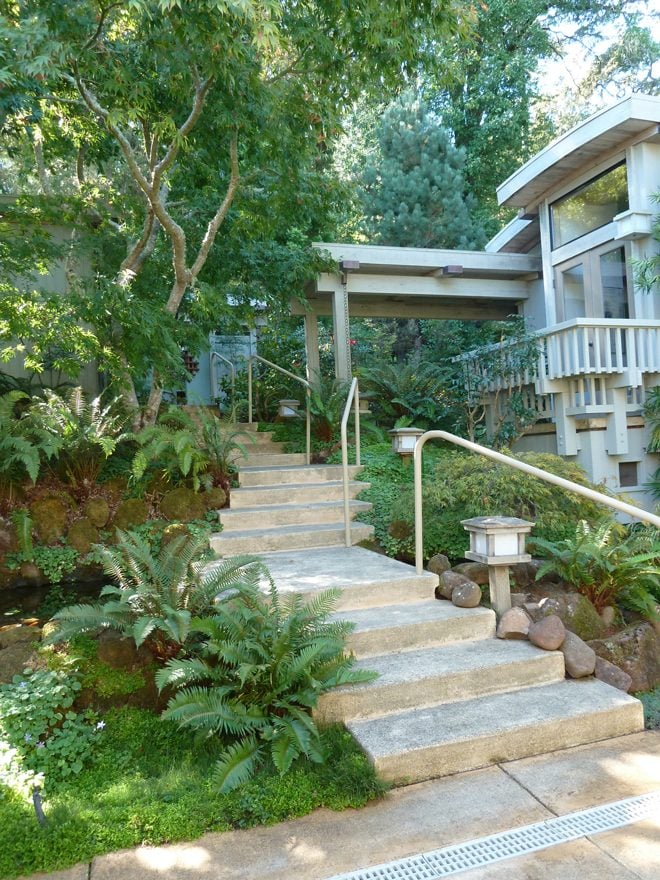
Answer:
(430, 815)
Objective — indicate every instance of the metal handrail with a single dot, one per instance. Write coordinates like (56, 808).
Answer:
(214, 380)
(353, 397)
(308, 391)
(615, 503)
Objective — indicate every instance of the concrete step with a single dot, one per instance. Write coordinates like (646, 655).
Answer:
(295, 493)
(312, 473)
(425, 743)
(259, 441)
(463, 671)
(269, 459)
(257, 541)
(269, 516)
(366, 579)
(416, 625)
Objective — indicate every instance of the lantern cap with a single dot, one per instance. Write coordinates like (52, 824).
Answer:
(497, 524)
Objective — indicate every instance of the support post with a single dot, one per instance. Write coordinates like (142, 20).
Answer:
(312, 347)
(343, 370)
(500, 588)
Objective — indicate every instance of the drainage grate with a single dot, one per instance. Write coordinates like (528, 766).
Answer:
(507, 844)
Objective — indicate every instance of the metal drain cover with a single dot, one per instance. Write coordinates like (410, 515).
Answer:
(507, 844)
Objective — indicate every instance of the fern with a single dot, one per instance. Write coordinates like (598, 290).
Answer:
(262, 667)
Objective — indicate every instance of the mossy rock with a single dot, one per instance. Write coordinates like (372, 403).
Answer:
(583, 619)
(97, 510)
(82, 534)
(215, 498)
(131, 512)
(8, 539)
(49, 516)
(182, 505)
(174, 531)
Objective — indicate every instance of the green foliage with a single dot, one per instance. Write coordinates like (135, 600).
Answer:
(651, 702)
(87, 432)
(43, 740)
(606, 565)
(134, 793)
(647, 271)
(23, 444)
(156, 596)
(415, 391)
(652, 416)
(260, 673)
(174, 447)
(464, 485)
(55, 562)
(101, 678)
(415, 195)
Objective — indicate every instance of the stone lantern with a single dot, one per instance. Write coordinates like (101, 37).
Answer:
(498, 541)
(404, 440)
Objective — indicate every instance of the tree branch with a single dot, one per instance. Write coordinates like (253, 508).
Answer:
(104, 14)
(165, 163)
(221, 213)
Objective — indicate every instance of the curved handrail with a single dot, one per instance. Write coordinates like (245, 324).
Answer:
(308, 391)
(214, 355)
(615, 503)
(353, 397)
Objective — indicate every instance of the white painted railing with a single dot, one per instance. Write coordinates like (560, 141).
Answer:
(353, 398)
(599, 497)
(582, 346)
(308, 391)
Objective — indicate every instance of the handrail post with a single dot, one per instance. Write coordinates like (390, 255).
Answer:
(344, 459)
(419, 511)
(250, 390)
(308, 426)
(356, 401)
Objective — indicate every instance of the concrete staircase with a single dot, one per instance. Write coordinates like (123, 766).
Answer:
(450, 696)
(283, 503)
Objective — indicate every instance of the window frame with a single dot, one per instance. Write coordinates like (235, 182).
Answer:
(593, 287)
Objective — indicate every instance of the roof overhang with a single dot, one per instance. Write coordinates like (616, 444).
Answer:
(634, 118)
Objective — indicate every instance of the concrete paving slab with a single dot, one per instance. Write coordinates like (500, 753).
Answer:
(637, 847)
(410, 820)
(594, 774)
(579, 860)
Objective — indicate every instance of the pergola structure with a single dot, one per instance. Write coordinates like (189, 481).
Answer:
(392, 282)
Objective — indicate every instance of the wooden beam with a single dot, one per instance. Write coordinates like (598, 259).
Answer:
(414, 286)
(474, 311)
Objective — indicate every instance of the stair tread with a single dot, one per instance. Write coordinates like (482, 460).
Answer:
(296, 467)
(303, 505)
(411, 666)
(287, 487)
(428, 611)
(487, 716)
(288, 530)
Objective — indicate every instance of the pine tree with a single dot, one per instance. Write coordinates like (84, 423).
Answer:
(415, 195)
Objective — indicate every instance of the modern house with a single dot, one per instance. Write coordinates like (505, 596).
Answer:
(566, 263)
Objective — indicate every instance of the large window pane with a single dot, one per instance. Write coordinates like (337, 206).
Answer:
(573, 289)
(614, 284)
(589, 207)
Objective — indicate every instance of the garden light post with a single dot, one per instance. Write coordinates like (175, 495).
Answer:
(498, 541)
(404, 441)
(288, 409)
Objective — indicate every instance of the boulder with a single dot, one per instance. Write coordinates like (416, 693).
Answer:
(49, 516)
(120, 652)
(8, 542)
(129, 513)
(174, 531)
(635, 650)
(523, 574)
(182, 505)
(16, 633)
(97, 510)
(518, 600)
(449, 581)
(467, 595)
(32, 574)
(215, 498)
(514, 624)
(579, 658)
(15, 658)
(576, 612)
(473, 571)
(611, 674)
(548, 633)
(438, 564)
(82, 534)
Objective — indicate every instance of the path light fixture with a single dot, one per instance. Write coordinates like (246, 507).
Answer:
(498, 541)
(288, 409)
(404, 441)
